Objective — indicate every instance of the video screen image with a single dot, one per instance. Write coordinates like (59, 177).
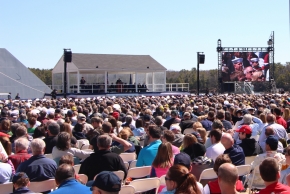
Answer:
(245, 66)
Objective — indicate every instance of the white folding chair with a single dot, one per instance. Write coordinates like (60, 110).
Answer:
(84, 178)
(188, 131)
(207, 174)
(47, 185)
(6, 188)
(244, 170)
(139, 172)
(162, 180)
(133, 164)
(120, 174)
(77, 168)
(127, 165)
(48, 156)
(127, 189)
(142, 185)
(249, 159)
(126, 157)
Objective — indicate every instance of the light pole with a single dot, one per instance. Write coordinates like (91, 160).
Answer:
(67, 58)
(200, 60)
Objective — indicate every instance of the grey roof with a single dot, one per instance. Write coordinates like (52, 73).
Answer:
(110, 61)
(16, 78)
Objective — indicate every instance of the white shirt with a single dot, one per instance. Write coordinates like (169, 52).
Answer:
(214, 151)
(5, 172)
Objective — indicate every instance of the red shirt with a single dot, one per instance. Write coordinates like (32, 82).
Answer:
(281, 121)
(275, 188)
(215, 188)
(19, 157)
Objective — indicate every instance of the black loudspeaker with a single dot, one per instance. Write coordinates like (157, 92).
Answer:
(67, 56)
(220, 80)
(201, 59)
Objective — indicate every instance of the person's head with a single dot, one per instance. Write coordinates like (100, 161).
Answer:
(139, 123)
(269, 131)
(238, 64)
(245, 131)
(164, 156)
(262, 116)
(272, 143)
(221, 159)
(106, 182)
(220, 115)
(128, 119)
(248, 71)
(203, 134)
(39, 132)
(287, 155)
(196, 125)
(63, 173)
(179, 178)
(158, 121)
(20, 180)
(286, 114)
(63, 141)
(154, 132)
(247, 119)
(104, 142)
(227, 177)
(81, 118)
(277, 112)
(21, 131)
(96, 122)
(125, 133)
(53, 129)
(186, 116)
(107, 127)
(188, 140)
(183, 159)
(270, 118)
(5, 125)
(21, 144)
(227, 140)
(66, 159)
(255, 62)
(66, 128)
(211, 115)
(269, 170)
(174, 114)
(168, 136)
(37, 146)
(215, 135)
(79, 127)
(217, 124)
(175, 129)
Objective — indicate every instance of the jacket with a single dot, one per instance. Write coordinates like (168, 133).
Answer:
(251, 147)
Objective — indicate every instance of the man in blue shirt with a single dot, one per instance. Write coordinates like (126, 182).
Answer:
(148, 153)
(235, 152)
(67, 184)
(38, 167)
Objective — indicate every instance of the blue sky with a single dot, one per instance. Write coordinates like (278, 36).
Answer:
(171, 32)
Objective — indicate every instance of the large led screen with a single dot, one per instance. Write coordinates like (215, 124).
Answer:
(245, 66)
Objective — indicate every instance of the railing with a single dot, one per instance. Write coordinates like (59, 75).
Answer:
(100, 88)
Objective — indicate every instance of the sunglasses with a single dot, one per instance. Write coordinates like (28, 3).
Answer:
(167, 179)
(250, 71)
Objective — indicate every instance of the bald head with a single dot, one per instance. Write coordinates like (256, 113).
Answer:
(227, 140)
(269, 131)
(227, 174)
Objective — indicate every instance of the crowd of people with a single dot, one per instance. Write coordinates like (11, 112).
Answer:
(178, 136)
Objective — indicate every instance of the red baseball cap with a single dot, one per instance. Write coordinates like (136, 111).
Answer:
(245, 129)
(116, 115)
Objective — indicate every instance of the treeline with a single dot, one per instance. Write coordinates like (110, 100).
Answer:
(208, 78)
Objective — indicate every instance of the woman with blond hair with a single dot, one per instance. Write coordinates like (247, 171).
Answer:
(286, 116)
(195, 126)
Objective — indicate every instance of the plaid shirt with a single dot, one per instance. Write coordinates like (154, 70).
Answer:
(19, 157)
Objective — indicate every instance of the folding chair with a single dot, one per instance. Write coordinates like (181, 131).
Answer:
(142, 185)
(84, 178)
(188, 131)
(127, 164)
(127, 189)
(77, 168)
(133, 164)
(139, 172)
(249, 159)
(126, 157)
(120, 174)
(206, 176)
(6, 188)
(244, 170)
(47, 185)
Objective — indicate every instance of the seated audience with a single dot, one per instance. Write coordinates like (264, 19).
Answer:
(227, 178)
(21, 153)
(38, 167)
(139, 130)
(213, 186)
(269, 130)
(78, 131)
(102, 160)
(186, 122)
(106, 183)
(148, 153)
(269, 170)
(63, 147)
(217, 147)
(234, 151)
(66, 182)
(285, 172)
(20, 183)
(250, 146)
